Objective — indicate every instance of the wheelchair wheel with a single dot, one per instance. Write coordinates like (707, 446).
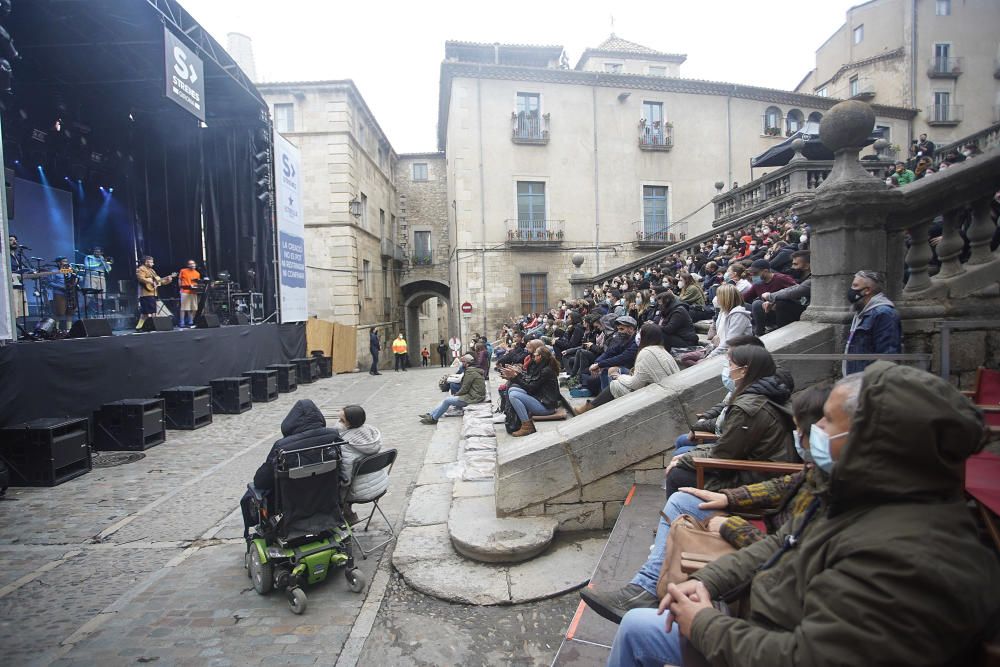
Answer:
(356, 580)
(262, 574)
(297, 600)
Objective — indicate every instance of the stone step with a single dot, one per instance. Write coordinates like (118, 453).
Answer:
(477, 533)
(588, 638)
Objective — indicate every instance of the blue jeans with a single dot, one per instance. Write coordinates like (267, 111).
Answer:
(642, 639)
(445, 404)
(683, 444)
(677, 504)
(526, 405)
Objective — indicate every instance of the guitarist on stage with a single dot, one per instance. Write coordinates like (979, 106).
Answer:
(149, 282)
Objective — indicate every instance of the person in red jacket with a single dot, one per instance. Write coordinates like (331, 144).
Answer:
(763, 281)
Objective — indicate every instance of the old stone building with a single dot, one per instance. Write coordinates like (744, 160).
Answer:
(610, 159)
(354, 255)
(940, 57)
(421, 181)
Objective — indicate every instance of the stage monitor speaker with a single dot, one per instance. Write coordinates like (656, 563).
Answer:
(158, 324)
(132, 424)
(207, 321)
(46, 452)
(90, 329)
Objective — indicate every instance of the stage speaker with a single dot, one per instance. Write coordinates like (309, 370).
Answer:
(287, 378)
(187, 407)
(263, 385)
(132, 424)
(231, 396)
(207, 321)
(90, 329)
(46, 452)
(158, 324)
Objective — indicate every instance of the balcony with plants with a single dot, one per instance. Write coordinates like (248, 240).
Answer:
(656, 135)
(650, 235)
(535, 233)
(529, 128)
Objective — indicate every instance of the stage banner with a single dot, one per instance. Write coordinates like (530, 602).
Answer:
(185, 75)
(291, 231)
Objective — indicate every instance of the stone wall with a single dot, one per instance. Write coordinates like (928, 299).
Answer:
(580, 473)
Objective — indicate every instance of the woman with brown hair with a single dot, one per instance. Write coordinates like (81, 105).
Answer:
(652, 364)
(535, 392)
(755, 424)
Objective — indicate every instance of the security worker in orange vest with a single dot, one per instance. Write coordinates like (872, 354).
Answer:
(399, 350)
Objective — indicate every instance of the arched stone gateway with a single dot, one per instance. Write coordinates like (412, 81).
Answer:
(415, 294)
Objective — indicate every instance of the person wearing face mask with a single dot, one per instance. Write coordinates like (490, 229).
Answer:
(360, 440)
(885, 566)
(788, 304)
(779, 498)
(756, 424)
(876, 327)
(764, 280)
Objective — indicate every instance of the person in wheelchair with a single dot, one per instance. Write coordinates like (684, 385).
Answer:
(360, 440)
(304, 426)
(292, 512)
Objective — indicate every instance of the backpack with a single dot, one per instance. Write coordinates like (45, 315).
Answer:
(511, 421)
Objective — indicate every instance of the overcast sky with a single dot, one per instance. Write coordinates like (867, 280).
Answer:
(392, 50)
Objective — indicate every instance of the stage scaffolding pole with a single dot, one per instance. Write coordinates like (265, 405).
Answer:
(8, 326)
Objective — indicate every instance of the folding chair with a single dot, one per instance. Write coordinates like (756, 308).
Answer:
(383, 460)
(986, 397)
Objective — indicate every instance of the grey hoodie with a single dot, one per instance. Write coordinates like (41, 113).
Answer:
(359, 442)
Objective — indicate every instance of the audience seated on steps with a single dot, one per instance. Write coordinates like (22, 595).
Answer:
(732, 320)
(652, 364)
(591, 347)
(788, 304)
(784, 497)
(885, 565)
(472, 390)
(535, 391)
(619, 353)
(360, 440)
(514, 355)
(675, 320)
(572, 336)
(765, 281)
(756, 422)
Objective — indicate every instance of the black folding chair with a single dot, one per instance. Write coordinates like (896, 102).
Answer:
(383, 460)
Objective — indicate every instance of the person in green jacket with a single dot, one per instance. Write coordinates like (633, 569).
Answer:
(904, 175)
(883, 568)
(472, 390)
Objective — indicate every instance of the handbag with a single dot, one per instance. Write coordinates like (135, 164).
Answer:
(443, 384)
(690, 546)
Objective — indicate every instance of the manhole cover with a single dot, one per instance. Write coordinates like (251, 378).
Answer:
(112, 459)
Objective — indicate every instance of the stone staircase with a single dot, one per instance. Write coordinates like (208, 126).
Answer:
(454, 546)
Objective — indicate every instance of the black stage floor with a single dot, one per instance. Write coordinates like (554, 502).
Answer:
(74, 377)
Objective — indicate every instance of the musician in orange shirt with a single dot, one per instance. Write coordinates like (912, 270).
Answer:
(189, 298)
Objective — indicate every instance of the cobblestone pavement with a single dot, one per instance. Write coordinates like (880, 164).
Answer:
(143, 563)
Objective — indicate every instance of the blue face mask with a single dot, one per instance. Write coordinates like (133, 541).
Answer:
(819, 448)
(757, 280)
(727, 381)
(802, 451)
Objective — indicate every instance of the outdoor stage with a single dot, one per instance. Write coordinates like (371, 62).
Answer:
(74, 377)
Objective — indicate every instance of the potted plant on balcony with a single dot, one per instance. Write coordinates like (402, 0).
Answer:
(772, 131)
(559, 235)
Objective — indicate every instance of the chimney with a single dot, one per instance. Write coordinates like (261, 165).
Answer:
(241, 49)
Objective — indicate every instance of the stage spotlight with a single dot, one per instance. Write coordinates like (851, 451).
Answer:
(261, 156)
(4, 8)
(262, 183)
(264, 197)
(261, 169)
(111, 191)
(6, 75)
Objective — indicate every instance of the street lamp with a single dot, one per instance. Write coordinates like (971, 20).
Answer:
(355, 207)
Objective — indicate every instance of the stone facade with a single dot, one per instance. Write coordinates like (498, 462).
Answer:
(890, 46)
(353, 263)
(592, 157)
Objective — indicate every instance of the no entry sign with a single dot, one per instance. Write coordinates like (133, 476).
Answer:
(467, 308)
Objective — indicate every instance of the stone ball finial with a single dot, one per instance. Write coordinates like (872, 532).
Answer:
(880, 145)
(798, 145)
(719, 185)
(847, 125)
(577, 260)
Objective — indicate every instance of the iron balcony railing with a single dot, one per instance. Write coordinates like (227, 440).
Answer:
(656, 135)
(420, 259)
(529, 128)
(657, 235)
(944, 67)
(533, 232)
(944, 114)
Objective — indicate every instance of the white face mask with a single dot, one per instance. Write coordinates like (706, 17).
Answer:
(803, 238)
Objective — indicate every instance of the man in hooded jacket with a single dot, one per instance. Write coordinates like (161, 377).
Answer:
(883, 568)
(303, 427)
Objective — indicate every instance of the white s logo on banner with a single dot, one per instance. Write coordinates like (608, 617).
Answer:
(181, 66)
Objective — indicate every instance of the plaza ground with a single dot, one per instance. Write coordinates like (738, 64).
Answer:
(143, 563)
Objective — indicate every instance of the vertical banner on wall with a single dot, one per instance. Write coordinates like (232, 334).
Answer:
(291, 232)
